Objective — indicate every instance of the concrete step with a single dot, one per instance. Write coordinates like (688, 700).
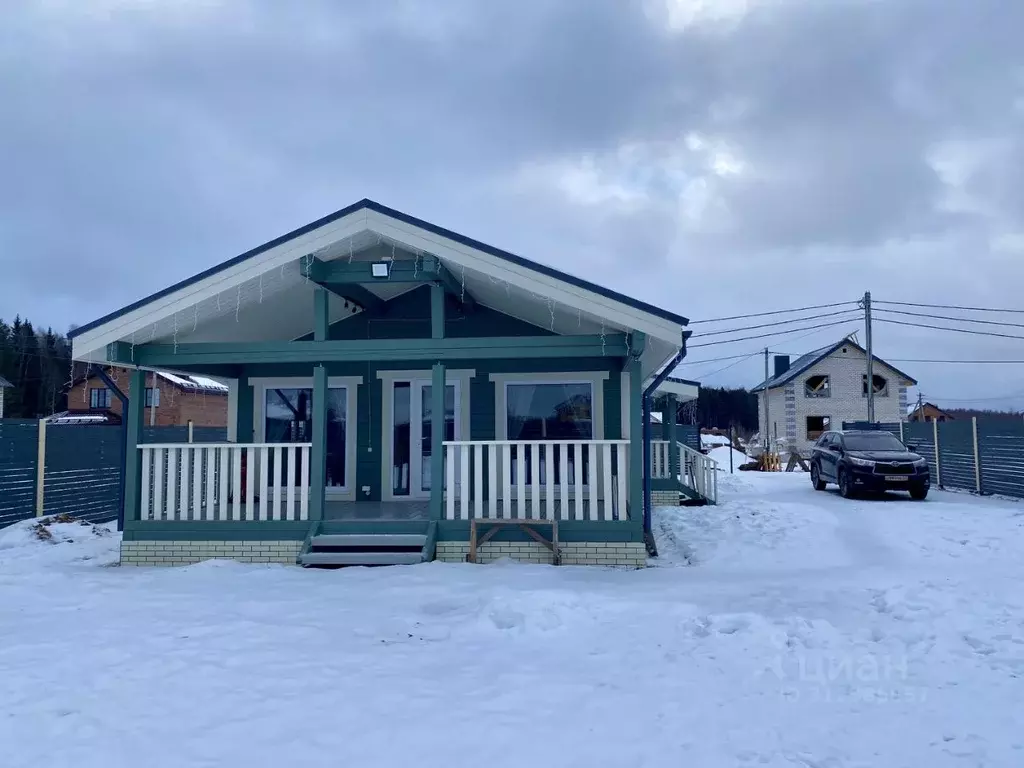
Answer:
(390, 540)
(360, 558)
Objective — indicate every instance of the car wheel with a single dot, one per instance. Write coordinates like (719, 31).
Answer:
(816, 481)
(845, 485)
(919, 492)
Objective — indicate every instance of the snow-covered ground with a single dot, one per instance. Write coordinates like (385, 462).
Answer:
(721, 455)
(784, 628)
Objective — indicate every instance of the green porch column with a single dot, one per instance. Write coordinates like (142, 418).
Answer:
(132, 454)
(318, 453)
(321, 314)
(668, 422)
(636, 443)
(437, 389)
(437, 311)
(243, 412)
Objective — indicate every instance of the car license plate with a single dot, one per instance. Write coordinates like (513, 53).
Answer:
(895, 478)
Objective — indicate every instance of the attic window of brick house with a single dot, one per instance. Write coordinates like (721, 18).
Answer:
(817, 386)
(881, 385)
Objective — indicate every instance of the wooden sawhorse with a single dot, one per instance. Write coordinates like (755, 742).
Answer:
(489, 527)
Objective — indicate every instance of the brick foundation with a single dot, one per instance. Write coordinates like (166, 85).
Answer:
(153, 553)
(665, 498)
(626, 553)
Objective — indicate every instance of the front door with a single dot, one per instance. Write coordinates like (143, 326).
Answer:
(417, 398)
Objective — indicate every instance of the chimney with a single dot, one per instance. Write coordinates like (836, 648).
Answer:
(781, 364)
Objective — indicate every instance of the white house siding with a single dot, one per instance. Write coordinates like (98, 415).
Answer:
(789, 406)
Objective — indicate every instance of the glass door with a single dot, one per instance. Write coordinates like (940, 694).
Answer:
(410, 446)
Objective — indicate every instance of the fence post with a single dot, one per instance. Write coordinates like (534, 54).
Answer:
(190, 434)
(41, 468)
(938, 466)
(977, 455)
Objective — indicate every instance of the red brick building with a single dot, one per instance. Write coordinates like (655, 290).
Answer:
(171, 400)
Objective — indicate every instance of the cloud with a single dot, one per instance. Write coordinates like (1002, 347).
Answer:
(712, 157)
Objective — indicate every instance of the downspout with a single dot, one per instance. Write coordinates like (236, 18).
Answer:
(651, 388)
(124, 440)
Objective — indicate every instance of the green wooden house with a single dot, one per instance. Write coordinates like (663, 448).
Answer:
(398, 392)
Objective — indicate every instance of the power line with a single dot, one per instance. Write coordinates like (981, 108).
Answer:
(731, 365)
(953, 330)
(1014, 396)
(950, 306)
(775, 333)
(779, 322)
(953, 319)
(776, 312)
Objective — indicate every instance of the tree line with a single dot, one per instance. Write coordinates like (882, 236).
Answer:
(38, 365)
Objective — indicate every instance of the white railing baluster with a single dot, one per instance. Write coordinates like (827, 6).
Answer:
(605, 451)
(304, 480)
(463, 483)
(172, 483)
(563, 466)
(591, 514)
(197, 482)
(623, 478)
(264, 502)
(222, 483)
(449, 485)
(159, 478)
(211, 461)
(520, 481)
(277, 484)
(284, 477)
(534, 481)
(478, 480)
(506, 479)
(236, 483)
(147, 457)
(577, 458)
(549, 477)
(250, 483)
(492, 480)
(186, 467)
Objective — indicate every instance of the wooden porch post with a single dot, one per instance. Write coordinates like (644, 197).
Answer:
(132, 455)
(636, 443)
(437, 490)
(321, 314)
(318, 453)
(437, 311)
(668, 421)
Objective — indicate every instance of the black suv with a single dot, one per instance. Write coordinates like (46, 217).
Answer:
(868, 461)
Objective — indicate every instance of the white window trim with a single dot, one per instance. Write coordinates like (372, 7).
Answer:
(595, 379)
(351, 384)
(460, 376)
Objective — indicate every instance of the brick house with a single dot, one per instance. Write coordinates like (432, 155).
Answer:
(171, 400)
(929, 412)
(824, 388)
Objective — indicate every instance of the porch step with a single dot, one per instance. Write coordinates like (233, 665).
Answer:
(341, 549)
(361, 558)
(378, 540)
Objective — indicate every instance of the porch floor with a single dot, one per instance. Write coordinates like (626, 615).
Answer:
(377, 510)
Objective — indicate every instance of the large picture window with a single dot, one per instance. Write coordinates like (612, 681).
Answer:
(288, 418)
(549, 411)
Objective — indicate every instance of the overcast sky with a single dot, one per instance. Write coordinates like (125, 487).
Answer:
(714, 157)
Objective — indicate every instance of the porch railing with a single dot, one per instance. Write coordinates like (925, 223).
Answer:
(537, 479)
(697, 471)
(225, 481)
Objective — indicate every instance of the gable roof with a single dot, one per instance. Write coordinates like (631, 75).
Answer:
(4, 383)
(804, 362)
(370, 205)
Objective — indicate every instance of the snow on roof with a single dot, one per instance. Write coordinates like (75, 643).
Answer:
(4, 383)
(195, 383)
(71, 417)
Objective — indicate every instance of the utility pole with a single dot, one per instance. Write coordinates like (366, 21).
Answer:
(767, 437)
(871, 358)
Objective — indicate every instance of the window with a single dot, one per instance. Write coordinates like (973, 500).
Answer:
(99, 397)
(288, 418)
(549, 411)
(881, 385)
(817, 425)
(152, 397)
(817, 386)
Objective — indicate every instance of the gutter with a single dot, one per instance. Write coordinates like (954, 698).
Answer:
(646, 410)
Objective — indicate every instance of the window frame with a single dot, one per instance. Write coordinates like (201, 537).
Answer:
(827, 427)
(583, 383)
(152, 397)
(94, 398)
(595, 379)
(347, 492)
(864, 385)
